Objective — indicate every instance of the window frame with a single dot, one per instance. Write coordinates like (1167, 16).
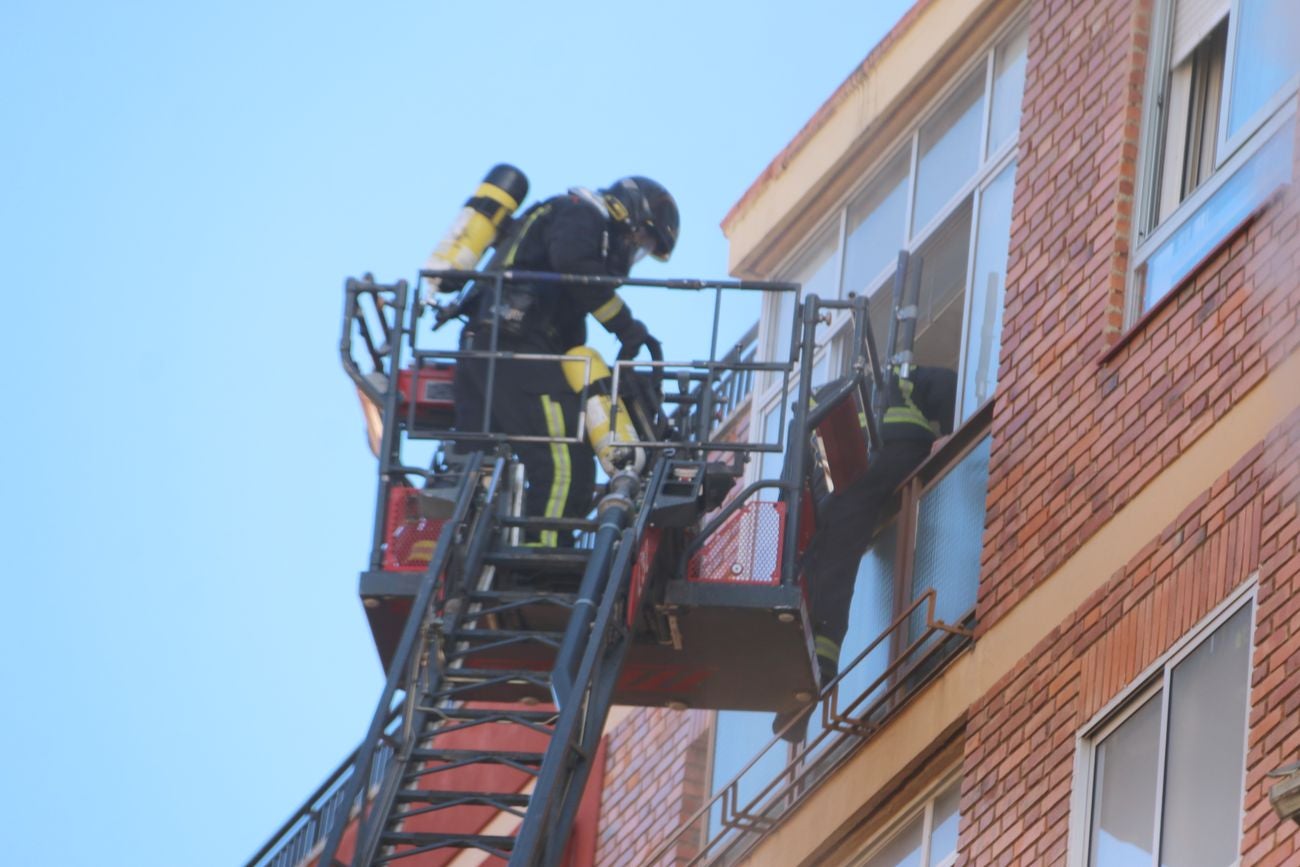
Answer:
(1149, 233)
(923, 804)
(990, 166)
(1155, 678)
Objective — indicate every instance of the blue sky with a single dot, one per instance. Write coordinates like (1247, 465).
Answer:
(186, 495)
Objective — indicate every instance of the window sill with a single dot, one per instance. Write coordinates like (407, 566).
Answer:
(1140, 324)
(971, 431)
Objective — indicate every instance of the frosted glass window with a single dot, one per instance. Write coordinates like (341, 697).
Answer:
(943, 825)
(877, 218)
(904, 850)
(870, 614)
(1008, 89)
(1124, 791)
(1265, 59)
(988, 292)
(1205, 755)
(949, 539)
(738, 736)
(950, 150)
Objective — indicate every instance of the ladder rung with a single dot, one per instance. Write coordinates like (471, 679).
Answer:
(431, 842)
(478, 714)
(451, 799)
(540, 559)
(433, 754)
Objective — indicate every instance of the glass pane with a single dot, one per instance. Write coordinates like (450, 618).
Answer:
(738, 736)
(869, 615)
(771, 463)
(1124, 791)
(943, 833)
(1205, 755)
(816, 269)
(949, 539)
(876, 226)
(950, 150)
(1246, 190)
(1008, 89)
(904, 850)
(1265, 58)
(988, 289)
(940, 263)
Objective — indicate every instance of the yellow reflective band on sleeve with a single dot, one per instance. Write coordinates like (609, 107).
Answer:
(608, 310)
(562, 472)
(496, 194)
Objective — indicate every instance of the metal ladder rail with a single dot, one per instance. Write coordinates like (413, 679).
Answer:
(357, 791)
(586, 671)
(424, 676)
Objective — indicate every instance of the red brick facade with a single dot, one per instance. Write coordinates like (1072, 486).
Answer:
(1088, 416)
(656, 777)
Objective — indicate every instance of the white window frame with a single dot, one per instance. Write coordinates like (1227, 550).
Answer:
(1231, 153)
(924, 802)
(1156, 678)
(990, 166)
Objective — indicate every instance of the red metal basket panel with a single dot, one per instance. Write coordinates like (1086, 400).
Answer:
(410, 539)
(645, 558)
(746, 549)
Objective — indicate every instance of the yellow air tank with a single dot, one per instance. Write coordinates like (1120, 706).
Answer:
(476, 227)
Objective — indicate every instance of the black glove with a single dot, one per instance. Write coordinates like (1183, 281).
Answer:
(632, 337)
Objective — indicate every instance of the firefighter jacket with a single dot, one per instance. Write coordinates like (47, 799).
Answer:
(568, 234)
(921, 405)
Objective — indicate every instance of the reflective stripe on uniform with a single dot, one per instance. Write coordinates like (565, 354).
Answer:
(827, 648)
(608, 310)
(561, 472)
(909, 412)
(523, 230)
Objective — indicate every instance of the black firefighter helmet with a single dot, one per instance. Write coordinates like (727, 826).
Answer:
(649, 212)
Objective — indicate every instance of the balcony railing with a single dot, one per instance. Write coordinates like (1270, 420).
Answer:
(299, 838)
(844, 726)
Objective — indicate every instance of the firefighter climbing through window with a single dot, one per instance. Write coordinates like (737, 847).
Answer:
(581, 232)
(920, 407)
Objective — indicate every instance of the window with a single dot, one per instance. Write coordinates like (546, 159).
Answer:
(737, 736)
(943, 194)
(950, 538)
(928, 838)
(1166, 772)
(1218, 132)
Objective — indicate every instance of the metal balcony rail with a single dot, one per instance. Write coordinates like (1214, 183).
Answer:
(843, 729)
(299, 838)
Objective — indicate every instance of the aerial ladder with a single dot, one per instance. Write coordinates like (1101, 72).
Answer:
(503, 659)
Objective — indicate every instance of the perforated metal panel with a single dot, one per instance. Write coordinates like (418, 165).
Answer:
(949, 539)
(746, 549)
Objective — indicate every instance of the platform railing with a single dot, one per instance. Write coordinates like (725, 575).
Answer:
(846, 722)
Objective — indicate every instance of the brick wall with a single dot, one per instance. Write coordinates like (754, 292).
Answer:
(656, 777)
(1086, 415)
(1018, 765)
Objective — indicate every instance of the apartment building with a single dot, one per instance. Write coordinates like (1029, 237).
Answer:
(1099, 197)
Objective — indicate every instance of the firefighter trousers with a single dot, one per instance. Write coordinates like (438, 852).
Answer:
(532, 398)
(847, 522)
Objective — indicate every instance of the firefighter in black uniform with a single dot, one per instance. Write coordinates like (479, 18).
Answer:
(581, 232)
(920, 408)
